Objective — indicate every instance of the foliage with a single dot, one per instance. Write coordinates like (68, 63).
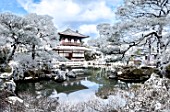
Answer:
(14, 31)
(4, 52)
(6, 106)
(45, 34)
(91, 55)
(5, 68)
(140, 23)
(27, 42)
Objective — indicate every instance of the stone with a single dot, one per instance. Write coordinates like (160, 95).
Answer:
(10, 85)
(111, 74)
(61, 76)
(153, 95)
(6, 71)
(71, 74)
(167, 71)
(14, 99)
(1, 83)
(132, 73)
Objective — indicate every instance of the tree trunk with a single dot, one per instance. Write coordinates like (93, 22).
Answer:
(33, 51)
(150, 50)
(159, 46)
(12, 54)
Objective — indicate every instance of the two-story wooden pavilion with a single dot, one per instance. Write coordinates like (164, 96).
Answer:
(71, 45)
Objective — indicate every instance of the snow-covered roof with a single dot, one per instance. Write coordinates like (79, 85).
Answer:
(72, 33)
(71, 48)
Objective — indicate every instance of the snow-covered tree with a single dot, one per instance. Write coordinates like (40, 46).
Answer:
(14, 31)
(142, 22)
(45, 32)
(33, 30)
(109, 42)
(30, 40)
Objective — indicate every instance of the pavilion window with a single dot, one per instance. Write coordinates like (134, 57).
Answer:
(72, 40)
(78, 41)
(66, 40)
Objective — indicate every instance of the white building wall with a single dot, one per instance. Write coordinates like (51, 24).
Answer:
(78, 54)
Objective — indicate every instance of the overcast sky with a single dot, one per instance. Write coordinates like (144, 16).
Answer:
(82, 15)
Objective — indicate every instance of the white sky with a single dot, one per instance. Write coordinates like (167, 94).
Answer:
(82, 15)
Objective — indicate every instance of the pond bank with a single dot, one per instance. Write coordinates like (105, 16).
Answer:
(88, 96)
(153, 95)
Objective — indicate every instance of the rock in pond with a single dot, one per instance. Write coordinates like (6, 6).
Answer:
(9, 85)
(111, 74)
(61, 76)
(71, 74)
(134, 74)
(167, 71)
(6, 72)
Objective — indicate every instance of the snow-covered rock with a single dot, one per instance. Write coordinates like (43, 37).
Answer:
(9, 85)
(61, 76)
(112, 74)
(71, 74)
(7, 75)
(14, 99)
(1, 83)
(153, 95)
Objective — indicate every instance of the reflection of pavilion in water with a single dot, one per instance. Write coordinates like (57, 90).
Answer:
(91, 77)
(67, 87)
(47, 87)
(71, 86)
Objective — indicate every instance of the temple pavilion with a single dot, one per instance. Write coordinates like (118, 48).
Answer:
(71, 45)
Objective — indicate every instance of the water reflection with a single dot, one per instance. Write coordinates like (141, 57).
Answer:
(73, 90)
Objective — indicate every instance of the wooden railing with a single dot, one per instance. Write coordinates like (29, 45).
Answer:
(70, 44)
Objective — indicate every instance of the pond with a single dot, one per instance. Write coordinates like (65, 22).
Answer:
(89, 84)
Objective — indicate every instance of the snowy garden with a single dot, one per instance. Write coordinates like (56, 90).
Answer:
(134, 53)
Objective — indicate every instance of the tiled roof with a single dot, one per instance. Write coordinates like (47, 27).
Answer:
(72, 33)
